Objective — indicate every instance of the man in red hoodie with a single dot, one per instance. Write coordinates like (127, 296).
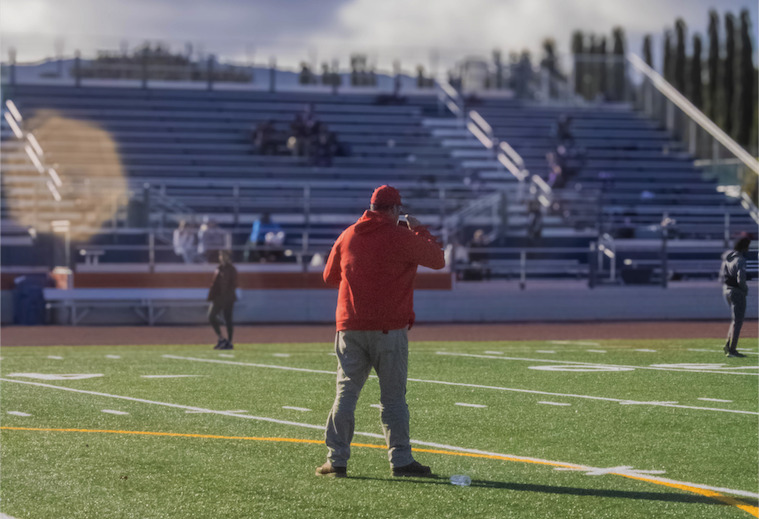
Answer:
(374, 263)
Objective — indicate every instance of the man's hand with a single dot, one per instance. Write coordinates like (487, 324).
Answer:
(412, 222)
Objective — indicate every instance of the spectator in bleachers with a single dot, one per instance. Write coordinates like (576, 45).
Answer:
(325, 147)
(266, 241)
(534, 221)
(184, 241)
(222, 296)
(211, 240)
(265, 138)
(562, 131)
(478, 261)
(556, 177)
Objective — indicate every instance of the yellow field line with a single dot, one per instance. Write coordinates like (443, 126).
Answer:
(753, 510)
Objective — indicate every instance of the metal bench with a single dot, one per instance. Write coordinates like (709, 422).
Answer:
(148, 303)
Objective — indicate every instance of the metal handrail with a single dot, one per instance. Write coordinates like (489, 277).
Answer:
(449, 97)
(33, 149)
(694, 113)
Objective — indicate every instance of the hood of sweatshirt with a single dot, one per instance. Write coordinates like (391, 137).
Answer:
(371, 221)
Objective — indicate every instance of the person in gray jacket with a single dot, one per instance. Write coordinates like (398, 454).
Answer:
(735, 289)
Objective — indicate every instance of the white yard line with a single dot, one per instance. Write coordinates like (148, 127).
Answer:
(19, 413)
(462, 404)
(572, 466)
(552, 361)
(476, 386)
(716, 400)
(111, 411)
(168, 376)
(554, 403)
(304, 409)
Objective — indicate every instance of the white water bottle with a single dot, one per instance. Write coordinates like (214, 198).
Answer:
(461, 480)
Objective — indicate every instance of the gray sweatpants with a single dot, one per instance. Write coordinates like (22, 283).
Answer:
(357, 353)
(736, 300)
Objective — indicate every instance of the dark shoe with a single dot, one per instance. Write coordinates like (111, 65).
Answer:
(413, 470)
(726, 349)
(735, 354)
(328, 470)
(226, 345)
(219, 344)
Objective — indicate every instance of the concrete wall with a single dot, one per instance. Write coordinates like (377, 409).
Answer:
(499, 301)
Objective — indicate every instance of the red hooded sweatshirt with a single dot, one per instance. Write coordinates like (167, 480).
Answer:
(373, 263)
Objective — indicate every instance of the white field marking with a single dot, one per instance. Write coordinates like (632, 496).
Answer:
(18, 413)
(634, 402)
(716, 400)
(239, 411)
(462, 404)
(227, 355)
(56, 376)
(645, 350)
(320, 427)
(111, 411)
(615, 470)
(54, 357)
(5, 516)
(113, 356)
(280, 354)
(553, 403)
(376, 405)
(596, 351)
(304, 409)
(494, 352)
(545, 351)
(579, 343)
(589, 363)
(590, 368)
(168, 376)
(705, 349)
(461, 384)
(250, 364)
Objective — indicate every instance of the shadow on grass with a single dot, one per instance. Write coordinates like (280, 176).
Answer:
(670, 497)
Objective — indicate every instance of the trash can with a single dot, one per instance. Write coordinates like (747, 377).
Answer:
(29, 300)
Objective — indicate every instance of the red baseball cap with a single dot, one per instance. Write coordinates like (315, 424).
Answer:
(386, 196)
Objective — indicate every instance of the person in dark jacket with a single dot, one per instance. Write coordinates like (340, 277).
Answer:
(373, 263)
(735, 289)
(222, 297)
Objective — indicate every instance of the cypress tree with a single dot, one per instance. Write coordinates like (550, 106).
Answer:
(696, 83)
(578, 49)
(667, 62)
(728, 74)
(618, 77)
(647, 51)
(679, 75)
(603, 72)
(745, 102)
(713, 92)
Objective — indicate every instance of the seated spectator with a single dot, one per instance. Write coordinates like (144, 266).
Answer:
(211, 240)
(556, 177)
(264, 138)
(562, 131)
(184, 241)
(266, 241)
(325, 147)
(478, 261)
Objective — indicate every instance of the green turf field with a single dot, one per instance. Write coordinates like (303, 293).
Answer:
(587, 429)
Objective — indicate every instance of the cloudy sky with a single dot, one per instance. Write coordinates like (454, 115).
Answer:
(413, 31)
